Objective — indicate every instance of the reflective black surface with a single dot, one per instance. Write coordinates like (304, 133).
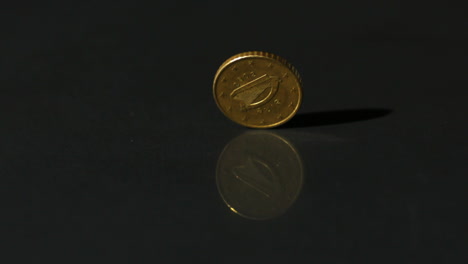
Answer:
(259, 175)
(110, 137)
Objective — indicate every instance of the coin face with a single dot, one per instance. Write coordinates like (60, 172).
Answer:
(259, 175)
(257, 89)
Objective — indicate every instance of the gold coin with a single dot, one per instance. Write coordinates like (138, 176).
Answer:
(259, 175)
(257, 89)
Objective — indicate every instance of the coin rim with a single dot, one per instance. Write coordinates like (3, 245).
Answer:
(263, 55)
(299, 159)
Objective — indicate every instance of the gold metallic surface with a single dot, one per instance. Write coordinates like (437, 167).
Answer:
(259, 175)
(257, 89)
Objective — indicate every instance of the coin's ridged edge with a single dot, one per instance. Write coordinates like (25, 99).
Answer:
(261, 54)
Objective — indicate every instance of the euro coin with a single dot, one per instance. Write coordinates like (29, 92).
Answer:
(257, 89)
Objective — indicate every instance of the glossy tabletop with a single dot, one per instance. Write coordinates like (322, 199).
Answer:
(113, 149)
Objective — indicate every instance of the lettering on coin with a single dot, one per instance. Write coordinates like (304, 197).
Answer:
(257, 92)
(246, 76)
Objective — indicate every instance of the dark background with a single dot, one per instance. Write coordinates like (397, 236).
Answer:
(110, 135)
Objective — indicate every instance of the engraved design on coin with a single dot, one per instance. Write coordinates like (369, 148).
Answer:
(257, 89)
(257, 92)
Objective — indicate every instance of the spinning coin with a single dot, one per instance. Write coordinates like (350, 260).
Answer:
(257, 89)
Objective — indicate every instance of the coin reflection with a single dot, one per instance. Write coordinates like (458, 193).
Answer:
(259, 175)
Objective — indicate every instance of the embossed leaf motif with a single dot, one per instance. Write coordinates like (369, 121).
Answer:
(257, 92)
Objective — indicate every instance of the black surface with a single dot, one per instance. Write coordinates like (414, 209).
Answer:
(110, 135)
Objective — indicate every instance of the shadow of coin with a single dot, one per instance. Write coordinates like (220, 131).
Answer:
(259, 175)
